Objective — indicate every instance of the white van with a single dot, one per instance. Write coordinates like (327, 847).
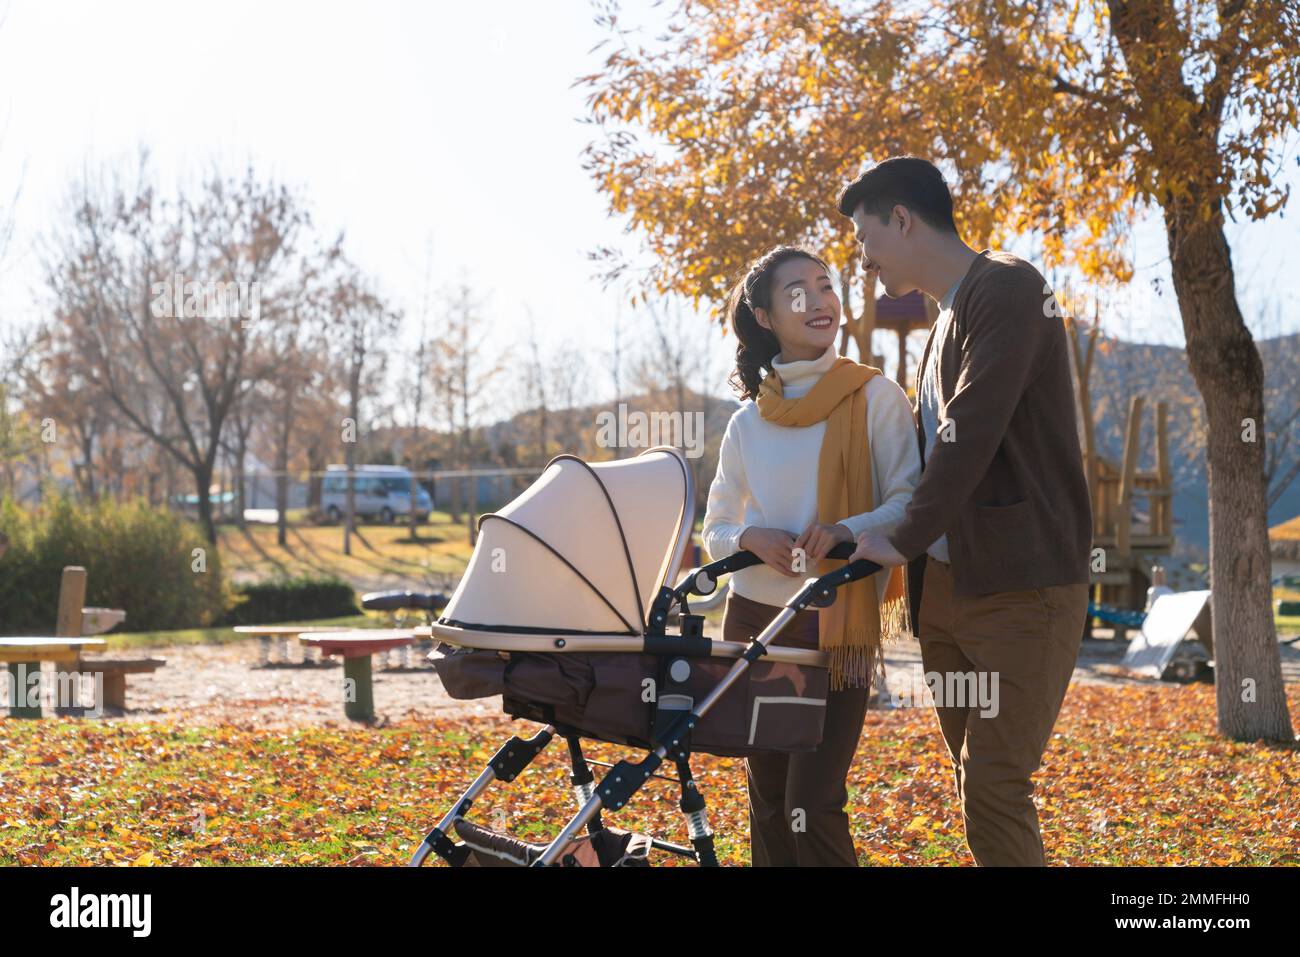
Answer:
(381, 491)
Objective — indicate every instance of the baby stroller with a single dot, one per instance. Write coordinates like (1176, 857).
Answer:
(565, 611)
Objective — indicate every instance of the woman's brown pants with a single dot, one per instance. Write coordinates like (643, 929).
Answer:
(796, 801)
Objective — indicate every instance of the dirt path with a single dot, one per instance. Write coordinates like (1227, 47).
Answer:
(228, 684)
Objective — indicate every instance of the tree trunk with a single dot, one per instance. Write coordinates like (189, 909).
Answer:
(286, 432)
(1229, 374)
(412, 515)
(453, 499)
(88, 463)
(350, 458)
(472, 516)
(202, 482)
(241, 486)
(282, 469)
(316, 462)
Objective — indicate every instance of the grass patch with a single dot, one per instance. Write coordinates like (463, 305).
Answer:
(379, 552)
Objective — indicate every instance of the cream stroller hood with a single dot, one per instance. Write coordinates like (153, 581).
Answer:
(584, 550)
(564, 614)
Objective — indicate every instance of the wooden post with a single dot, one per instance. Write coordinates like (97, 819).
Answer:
(360, 705)
(1124, 520)
(114, 688)
(18, 675)
(72, 600)
(1166, 509)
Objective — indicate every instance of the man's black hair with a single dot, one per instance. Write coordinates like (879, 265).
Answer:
(902, 181)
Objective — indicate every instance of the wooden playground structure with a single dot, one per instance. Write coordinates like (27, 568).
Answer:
(1134, 540)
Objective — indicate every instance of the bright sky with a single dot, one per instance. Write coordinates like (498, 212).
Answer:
(399, 121)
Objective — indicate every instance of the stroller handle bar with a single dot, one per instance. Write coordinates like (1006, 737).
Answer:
(820, 592)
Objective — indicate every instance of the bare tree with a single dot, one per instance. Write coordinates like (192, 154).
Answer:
(361, 327)
(570, 373)
(673, 357)
(469, 372)
(535, 392)
(420, 372)
(162, 298)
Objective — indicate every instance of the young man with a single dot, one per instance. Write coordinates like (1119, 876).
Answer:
(998, 531)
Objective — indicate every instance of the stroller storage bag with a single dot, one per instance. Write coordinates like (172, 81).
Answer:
(776, 705)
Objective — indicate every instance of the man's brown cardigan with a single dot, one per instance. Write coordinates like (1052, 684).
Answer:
(1005, 479)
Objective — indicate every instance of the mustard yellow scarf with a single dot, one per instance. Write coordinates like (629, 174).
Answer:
(852, 629)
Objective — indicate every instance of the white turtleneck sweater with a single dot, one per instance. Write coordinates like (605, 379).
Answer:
(767, 475)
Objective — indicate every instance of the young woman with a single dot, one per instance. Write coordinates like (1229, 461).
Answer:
(821, 449)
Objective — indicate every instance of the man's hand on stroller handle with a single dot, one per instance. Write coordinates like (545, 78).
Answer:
(877, 548)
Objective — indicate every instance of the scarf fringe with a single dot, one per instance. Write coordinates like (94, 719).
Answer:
(853, 662)
(852, 666)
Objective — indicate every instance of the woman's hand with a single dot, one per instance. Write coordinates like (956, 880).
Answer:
(817, 540)
(774, 545)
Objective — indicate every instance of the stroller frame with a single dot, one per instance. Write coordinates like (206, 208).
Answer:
(672, 733)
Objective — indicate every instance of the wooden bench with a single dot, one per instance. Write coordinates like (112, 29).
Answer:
(24, 655)
(114, 672)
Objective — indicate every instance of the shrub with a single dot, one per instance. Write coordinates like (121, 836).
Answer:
(291, 599)
(151, 562)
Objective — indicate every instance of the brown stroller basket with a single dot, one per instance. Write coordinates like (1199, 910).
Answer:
(565, 610)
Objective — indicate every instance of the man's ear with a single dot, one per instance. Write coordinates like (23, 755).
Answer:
(901, 219)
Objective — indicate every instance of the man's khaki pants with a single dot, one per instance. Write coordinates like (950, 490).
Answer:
(1028, 642)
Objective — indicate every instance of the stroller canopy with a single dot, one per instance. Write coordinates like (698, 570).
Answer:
(583, 550)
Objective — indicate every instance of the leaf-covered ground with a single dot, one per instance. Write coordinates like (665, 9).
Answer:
(1133, 775)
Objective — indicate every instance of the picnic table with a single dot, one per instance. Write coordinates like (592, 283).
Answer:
(355, 648)
(74, 622)
(23, 656)
(266, 634)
